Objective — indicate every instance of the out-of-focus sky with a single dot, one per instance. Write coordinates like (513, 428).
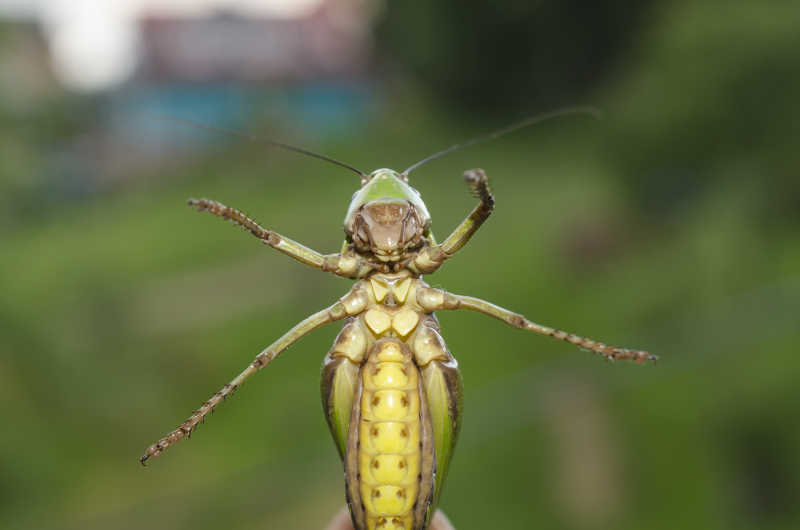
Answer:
(94, 43)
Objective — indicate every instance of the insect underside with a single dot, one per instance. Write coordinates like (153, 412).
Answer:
(391, 390)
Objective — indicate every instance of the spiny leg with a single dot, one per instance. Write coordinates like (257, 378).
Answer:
(436, 299)
(431, 258)
(334, 312)
(347, 266)
(479, 186)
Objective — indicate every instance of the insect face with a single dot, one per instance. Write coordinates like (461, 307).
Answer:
(386, 217)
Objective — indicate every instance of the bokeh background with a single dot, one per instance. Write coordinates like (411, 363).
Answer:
(673, 225)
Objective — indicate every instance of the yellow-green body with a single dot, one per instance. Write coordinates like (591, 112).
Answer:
(392, 396)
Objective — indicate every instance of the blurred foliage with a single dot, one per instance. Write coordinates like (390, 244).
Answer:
(692, 85)
(711, 99)
(671, 225)
(497, 57)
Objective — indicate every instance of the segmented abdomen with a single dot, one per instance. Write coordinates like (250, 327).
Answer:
(392, 396)
(389, 452)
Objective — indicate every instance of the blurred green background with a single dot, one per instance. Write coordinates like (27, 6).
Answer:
(671, 225)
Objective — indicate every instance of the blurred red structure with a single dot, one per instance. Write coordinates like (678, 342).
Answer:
(333, 41)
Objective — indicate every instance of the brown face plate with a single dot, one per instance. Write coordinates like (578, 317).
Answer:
(387, 228)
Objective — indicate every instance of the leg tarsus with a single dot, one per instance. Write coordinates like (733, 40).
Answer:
(478, 183)
(231, 214)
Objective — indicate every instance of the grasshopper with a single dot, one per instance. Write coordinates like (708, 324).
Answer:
(391, 389)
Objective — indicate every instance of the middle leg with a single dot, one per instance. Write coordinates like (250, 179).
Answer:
(436, 299)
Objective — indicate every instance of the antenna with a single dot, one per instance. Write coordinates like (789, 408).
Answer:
(527, 122)
(257, 139)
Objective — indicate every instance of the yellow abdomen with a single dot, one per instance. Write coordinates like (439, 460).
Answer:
(389, 434)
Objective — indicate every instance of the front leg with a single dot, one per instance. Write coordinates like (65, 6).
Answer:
(431, 258)
(436, 299)
(352, 303)
(347, 265)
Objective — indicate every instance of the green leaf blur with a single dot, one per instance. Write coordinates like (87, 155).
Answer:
(672, 225)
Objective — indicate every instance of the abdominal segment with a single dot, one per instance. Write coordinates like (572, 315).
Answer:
(393, 448)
